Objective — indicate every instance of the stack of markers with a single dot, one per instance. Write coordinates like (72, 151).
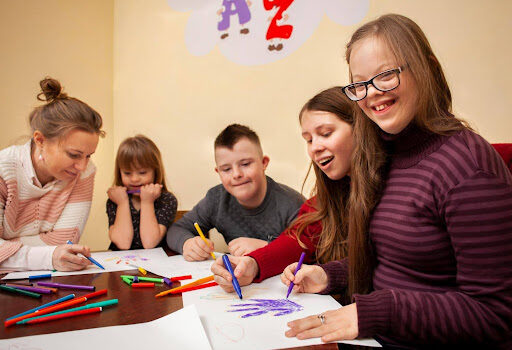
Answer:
(145, 282)
(61, 308)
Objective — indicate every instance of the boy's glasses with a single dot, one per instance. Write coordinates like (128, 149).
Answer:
(384, 81)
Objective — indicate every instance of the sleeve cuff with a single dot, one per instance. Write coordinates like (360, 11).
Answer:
(336, 276)
(374, 312)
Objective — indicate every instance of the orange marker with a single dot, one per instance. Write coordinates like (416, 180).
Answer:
(195, 283)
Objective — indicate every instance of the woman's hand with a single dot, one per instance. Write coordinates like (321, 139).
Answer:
(340, 324)
(117, 194)
(309, 279)
(245, 269)
(150, 192)
(65, 257)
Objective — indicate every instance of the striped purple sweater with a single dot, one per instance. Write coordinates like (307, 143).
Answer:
(442, 234)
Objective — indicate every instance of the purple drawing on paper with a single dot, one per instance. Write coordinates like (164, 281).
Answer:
(280, 307)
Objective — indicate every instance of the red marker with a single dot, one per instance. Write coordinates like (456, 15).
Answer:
(65, 315)
(143, 285)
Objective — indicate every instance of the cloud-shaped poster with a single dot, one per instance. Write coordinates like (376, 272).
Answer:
(251, 32)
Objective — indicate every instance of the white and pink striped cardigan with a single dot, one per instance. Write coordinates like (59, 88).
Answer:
(34, 219)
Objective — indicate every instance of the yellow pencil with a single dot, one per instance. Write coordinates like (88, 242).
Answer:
(198, 229)
(191, 284)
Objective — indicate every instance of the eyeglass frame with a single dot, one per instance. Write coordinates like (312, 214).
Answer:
(397, 70)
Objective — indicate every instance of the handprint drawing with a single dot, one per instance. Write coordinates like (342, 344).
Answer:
(280, 307)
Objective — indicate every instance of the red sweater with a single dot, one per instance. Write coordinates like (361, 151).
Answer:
(285, 249)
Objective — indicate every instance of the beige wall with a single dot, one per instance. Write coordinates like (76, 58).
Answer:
(182, 101)
(71, 40)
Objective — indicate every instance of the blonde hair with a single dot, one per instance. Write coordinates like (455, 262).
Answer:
(139, 152)
(61, 113)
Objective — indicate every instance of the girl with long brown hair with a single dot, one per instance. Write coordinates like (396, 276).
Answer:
(430, 224)
(140, 209)
(320, 228)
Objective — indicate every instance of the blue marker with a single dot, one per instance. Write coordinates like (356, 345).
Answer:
(36, 277)
(67, 297)
(228, 266)
(91, 259)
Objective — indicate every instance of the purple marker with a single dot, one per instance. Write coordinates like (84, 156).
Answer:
(301, 259)
(167, 281)
(65, 286)
(133, 191)
(30, 289)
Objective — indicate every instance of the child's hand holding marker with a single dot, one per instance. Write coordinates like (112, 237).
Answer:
(199, 247)
(245, 270)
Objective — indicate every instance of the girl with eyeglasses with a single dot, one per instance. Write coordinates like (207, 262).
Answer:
(430, 223)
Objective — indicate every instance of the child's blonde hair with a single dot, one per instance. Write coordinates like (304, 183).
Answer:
(139, 152)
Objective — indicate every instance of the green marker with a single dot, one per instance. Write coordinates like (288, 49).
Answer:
(19, 291)
(127, 280)
(99, 304)
(147, 279)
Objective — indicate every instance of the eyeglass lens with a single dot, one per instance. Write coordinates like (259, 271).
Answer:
(384, 81)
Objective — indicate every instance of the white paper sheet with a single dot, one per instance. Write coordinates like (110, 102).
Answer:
(111, 261)
(179, 330)
(177, 266)
(229, 330)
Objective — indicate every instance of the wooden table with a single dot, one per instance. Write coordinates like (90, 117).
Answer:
(135, 306)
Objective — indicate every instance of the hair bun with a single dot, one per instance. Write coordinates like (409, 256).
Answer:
(50, 89)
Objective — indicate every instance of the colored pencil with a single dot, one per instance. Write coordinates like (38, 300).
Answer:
(195, 283)
(19, 291)
(60, 300)
(201, 234)
(89, 306)
(65, 315)
(65, 286)
(90, 258)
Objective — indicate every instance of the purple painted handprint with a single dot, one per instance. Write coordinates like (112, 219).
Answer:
(263, 306)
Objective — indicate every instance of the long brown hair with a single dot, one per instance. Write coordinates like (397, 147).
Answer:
(139, 152)
(331, 195)
(411, 48)
(61, 113)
